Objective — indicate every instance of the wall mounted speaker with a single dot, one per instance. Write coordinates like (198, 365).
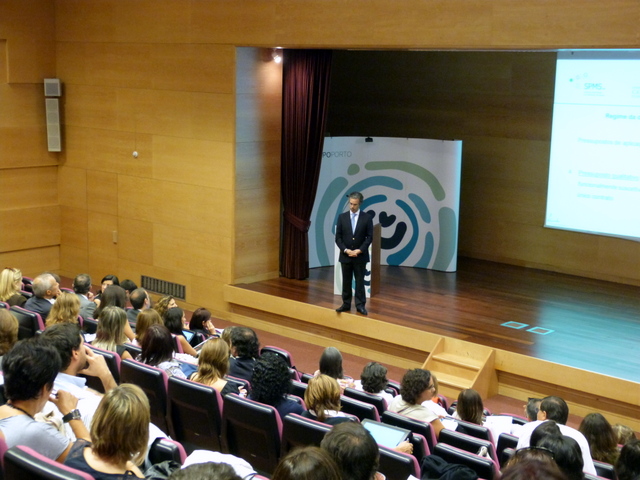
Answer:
(54, 138)
(52, 87)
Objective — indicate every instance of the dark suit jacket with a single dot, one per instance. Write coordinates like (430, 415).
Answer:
(358, 240)
(39, 305)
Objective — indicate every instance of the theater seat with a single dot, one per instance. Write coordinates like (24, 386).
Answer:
(360, 409)
(484, 467)
(252, 431)
(468, 443)
(28, 322)
(298, 431)
(22, 463)
(398, 466)
(416, 426)
(376, 400)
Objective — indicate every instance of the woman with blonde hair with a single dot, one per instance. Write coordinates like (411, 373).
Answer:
(119, 433)
(213, 364)
(10, 286)
(110, 334)
(144, 320)
(322, 398)
(65, 310)
(8, 332)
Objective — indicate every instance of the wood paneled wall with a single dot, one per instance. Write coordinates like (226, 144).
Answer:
(29, 211)
(499, 104)
(160, 78)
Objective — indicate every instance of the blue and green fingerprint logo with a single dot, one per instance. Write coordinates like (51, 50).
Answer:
(417, 230)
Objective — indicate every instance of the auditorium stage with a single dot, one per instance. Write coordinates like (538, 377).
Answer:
(574, 321)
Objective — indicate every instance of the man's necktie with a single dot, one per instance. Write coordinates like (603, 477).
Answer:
(353, 222)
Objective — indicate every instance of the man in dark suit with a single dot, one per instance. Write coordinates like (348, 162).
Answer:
(45, 291)
(354, 233)
(82, 289)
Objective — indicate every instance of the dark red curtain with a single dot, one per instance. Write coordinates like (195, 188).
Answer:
(305, 94)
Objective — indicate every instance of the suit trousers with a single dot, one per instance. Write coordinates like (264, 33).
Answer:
(349, 271)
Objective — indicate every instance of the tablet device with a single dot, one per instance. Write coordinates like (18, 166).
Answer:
(386, 435)
(188, 334)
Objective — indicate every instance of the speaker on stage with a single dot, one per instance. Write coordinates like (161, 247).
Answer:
(52, 91)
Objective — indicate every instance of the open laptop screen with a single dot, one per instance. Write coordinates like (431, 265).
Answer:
(386, 435)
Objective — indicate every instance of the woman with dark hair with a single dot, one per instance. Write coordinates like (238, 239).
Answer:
(201, 322)
(533, 469)
(415, 388)
(470, 408)
(331, 365)
(174, 320)
(566, 453)
(545, 429)
(373, 380)
(105, 283)
(599, 434)
(120, 432)
(158, 348)
(110, 335)
(307, 463)
(628, 464)
(271, 382)
(322, 398)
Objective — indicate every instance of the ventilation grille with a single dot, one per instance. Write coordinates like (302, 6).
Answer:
(163, 287)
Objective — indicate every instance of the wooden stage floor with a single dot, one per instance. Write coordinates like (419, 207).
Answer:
(575, 321)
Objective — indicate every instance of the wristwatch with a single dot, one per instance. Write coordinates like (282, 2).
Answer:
(72, 415)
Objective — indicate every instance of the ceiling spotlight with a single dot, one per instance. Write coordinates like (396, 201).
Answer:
(276, 54)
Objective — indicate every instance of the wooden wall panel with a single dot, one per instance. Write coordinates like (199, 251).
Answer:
(27, 228)
(28, 187)
(74, 231)
(33, 261)
(103, 251)
(135, 240)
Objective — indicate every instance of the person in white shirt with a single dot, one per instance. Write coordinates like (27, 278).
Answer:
(373, 380)
(555, 408)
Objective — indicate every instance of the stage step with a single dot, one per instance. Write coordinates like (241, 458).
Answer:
(458, 365)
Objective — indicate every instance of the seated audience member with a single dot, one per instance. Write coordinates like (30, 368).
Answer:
(105, 283)
(271, 382)
(76, 358)
(623, 434)
(545, 429)
(245, 350)
(533, 469)
(145, 319)
(165, 303)
(226, 334)
(373, 380)
(114, 296)
(201, 322)
(158, 348)
(10, 287)
(129, 286)
(82, 289)
(531, 408)
(331, 365)
(322, 398)
(307, 463)
(30, 369)
(45, 291)
(213, 364)
(8, 332)
(65, 310)
(566, 453)
(556, 409)
(434, 404)
(120, 433)
(139, 299)
(470, 408)
(207, 470)
(110, 334)
(628, 464)
(599, 434)
(416, 387)
(538, 454)
(174, 320)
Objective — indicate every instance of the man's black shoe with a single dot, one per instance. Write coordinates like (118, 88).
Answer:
(343, 308)
(362, 310)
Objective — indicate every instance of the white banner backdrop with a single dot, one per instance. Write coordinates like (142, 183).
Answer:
(411, 186)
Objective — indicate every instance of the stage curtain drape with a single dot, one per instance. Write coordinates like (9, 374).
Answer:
(305, 94)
